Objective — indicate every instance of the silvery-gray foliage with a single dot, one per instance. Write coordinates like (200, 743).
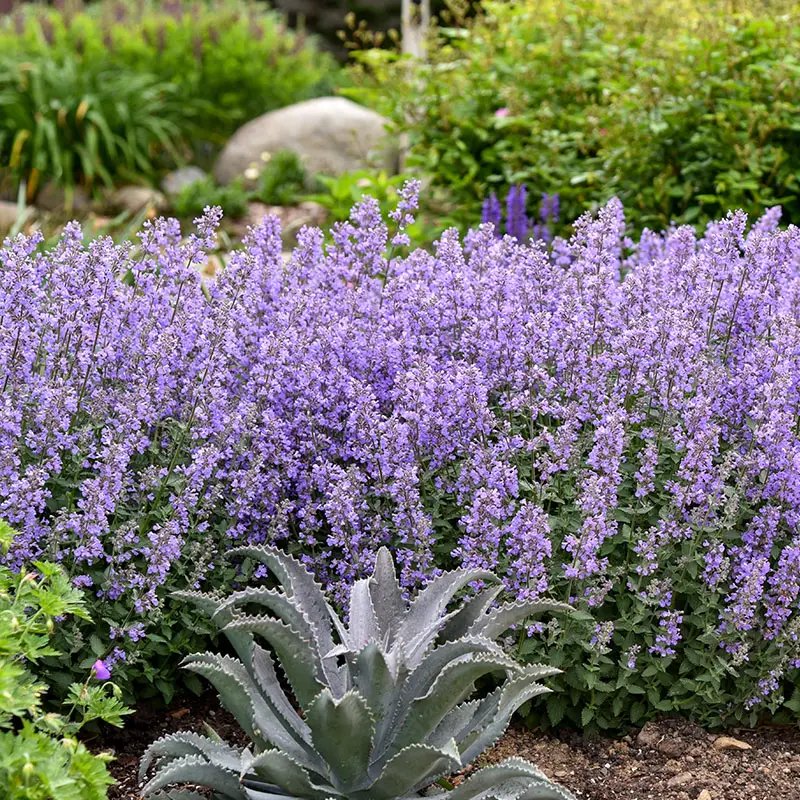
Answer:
(379, 707)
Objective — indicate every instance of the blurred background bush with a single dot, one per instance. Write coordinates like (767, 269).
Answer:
(683, 109)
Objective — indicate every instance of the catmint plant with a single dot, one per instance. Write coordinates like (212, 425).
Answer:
(602, 422)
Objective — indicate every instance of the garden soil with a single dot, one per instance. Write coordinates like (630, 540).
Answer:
(669, 760)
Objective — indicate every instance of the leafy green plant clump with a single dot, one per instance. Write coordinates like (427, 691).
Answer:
(235, 54)
(121, 90)
(683, 110)
(40, 758)
(72, 120)
(379, 707)
(192, 199)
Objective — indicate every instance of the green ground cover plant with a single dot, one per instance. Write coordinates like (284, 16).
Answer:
(40, 758)
(683, 110)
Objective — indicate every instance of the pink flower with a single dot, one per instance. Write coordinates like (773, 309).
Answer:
(502, 112)
(100, 670)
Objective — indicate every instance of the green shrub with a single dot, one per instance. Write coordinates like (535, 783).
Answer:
(282, 181)
(232, 53)
(75, 120)
(39, 757)
(192, 199)
(683, 110)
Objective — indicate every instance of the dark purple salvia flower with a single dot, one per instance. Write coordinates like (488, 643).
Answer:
(492, 212)
(517, 223)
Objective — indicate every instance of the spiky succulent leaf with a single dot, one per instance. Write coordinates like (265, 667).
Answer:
(176, 745)
(419, 681)
(387, 596)
(298, 658)
(500, 619)
(454, 683)
(276, 767)
(470, 612)
(196, 770)
(373, 681)
(210, 604)
(496, 780)
(263, 668)
(412, 768)
(422, 623)
(299, 584)
(363, 620)
(342, 731)
(230, 679)
(512, 695)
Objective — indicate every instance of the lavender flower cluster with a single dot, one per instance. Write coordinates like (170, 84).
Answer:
(602, 421)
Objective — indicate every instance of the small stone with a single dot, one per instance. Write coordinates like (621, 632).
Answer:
(560, 773)
(705, 795)
(729, 743)
(52, 197)
(179, 179)
(673, 748)
(8, 215)
(648, 736)
(137, 198)
(682, 779)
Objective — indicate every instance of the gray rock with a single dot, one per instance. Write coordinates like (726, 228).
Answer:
(331, 135)
(179, 179)
(137, 198)
(292, 219)
(8, 216)
(52, 197)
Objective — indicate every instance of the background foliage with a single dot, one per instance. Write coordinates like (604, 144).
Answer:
(683, 109)
(91, 93)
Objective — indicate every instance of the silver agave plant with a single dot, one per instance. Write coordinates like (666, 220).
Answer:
(380, 707)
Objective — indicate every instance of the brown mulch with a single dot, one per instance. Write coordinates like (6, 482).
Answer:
(669, 760)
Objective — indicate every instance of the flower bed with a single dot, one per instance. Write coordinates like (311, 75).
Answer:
(605, 422)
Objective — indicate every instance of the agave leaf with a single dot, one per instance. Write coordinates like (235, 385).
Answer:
(196, 770)
(279, 603)
(342, 733)
(267, 680)
(412, 768)
(470, 612)
(178, 794)
(452, 686)
(387, 597)
(298, 583)
(457, 721)
(373, 681)
(295, 654)
(424, 619)
(363, 621)
(499, 620)
(241, 695)
(488, 780)
(420, 681)
(230, 679)
(176, 745)
(512, 695)
(276, 767)
(210, 604)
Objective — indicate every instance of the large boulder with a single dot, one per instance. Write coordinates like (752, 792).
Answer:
(331, 135)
